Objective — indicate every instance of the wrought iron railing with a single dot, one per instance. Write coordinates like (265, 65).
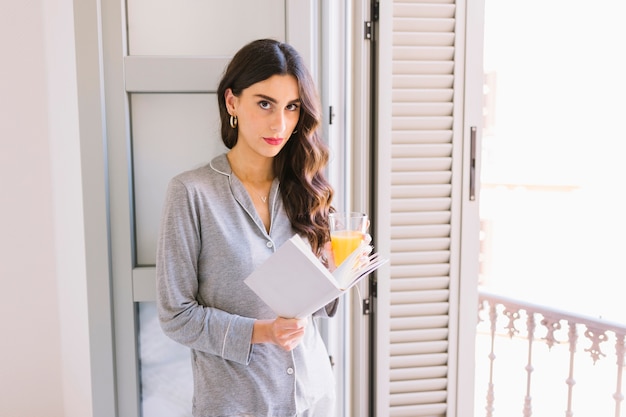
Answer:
(536, 349)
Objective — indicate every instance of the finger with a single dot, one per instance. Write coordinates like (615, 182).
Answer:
(329, 256)
(286, 330)
(291, 324)
(291, 343)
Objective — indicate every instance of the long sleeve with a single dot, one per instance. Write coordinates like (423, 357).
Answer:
(182, 318)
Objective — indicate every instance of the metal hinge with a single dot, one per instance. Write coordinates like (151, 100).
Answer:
(369, 30)
(375, 11)
(366, 307)
(369, 25)
(367, 302)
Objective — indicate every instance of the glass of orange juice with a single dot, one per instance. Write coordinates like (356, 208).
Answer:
(347, 231)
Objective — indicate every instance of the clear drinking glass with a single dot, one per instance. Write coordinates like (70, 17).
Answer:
(347, 231)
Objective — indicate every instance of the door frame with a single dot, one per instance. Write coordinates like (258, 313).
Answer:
(113, 288)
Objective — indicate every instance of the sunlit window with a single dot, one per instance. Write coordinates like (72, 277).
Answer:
(553, 194)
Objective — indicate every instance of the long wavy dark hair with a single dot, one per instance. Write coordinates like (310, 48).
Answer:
(299, 166)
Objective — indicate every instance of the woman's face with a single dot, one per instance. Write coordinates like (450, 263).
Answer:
(267, 114)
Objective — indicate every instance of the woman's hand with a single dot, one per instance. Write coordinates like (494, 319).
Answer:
(328, 256)
(286, 333)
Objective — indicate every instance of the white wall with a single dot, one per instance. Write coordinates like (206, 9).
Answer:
(44, 349)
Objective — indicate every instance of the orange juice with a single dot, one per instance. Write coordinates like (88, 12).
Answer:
(344, 242)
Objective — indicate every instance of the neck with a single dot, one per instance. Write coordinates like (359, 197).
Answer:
(257, 170)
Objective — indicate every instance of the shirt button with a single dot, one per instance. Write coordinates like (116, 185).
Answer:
(290, 371)
(269, 244)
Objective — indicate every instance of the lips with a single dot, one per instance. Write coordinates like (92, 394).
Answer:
(273, 141)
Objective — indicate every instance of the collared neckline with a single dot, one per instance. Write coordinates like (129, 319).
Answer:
(221, 165)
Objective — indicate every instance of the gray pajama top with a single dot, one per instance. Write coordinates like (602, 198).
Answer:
(211, 239)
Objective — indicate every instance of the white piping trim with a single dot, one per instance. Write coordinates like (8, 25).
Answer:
(225, 335)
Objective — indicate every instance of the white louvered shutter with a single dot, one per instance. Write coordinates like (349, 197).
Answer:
(421, 176)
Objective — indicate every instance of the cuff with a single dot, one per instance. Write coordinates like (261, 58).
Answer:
(236, 346)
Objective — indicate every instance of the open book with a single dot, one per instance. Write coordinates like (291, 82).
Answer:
(295, 284)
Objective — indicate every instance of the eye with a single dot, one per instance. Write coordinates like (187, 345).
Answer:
(293, 107)
(264, 104)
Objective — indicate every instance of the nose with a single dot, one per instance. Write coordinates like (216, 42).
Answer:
(279, 122)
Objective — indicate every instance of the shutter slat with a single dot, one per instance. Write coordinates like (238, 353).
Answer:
(415, 398)
(415, 245)
(420, 231)
(426, 164)
(427, 410)
(417, 178)
(425, 302)
(423, 151)
(414, 323)
(421, 109)
(420, 204)
(423, 191)
(419, 284)
(414, 165)
(434, 95)
(419, 311)
(421, 123)
(421, 258)
(430, 217)
(419, 335)
(423, 373)
(423, 39)
(412, 310)
(438, 346)
(444, 80)
(416, 361)
(421, 164)
(430, 9)
(422, 53)
(421, 136)
(408, 24)
(422, 68)
(409, 271)
(418, 385)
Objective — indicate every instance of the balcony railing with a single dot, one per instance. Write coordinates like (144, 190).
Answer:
(532, 362)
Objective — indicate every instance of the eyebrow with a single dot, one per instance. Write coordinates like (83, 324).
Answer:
(273, 100)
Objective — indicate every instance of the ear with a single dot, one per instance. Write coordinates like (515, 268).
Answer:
(231, 101)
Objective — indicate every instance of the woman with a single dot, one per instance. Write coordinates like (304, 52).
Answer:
(223, 220)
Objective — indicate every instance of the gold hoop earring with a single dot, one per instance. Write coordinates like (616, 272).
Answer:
(233, 121)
